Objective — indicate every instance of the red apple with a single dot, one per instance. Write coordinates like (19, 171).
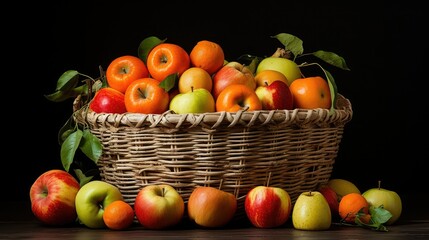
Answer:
(159, 206)
(268, 207)
(232, 73)
(52, 197)
(331, 197)
(108, 100)
(211, 207)
(275, 96)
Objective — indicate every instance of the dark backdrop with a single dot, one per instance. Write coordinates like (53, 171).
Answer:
(386, 139)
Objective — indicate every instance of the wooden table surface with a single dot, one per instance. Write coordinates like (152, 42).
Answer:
(17, 222)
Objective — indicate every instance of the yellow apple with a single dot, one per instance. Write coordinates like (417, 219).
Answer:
(390, 200)
(286, 66)
(311, 212)
(342, 187)
(194, 78)
(195, 101)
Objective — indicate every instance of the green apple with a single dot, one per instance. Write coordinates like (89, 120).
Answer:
(390, 200)
(311, 212)
(286, 66)
(91, 200)
(198, 100)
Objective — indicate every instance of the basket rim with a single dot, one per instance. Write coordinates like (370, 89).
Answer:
(212, 120)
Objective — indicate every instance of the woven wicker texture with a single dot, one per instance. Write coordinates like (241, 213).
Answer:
(291, 149)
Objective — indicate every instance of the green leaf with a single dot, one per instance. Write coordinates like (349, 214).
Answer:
(169, 82)
(66, 130)
(332, 58)
(91, 146)
(59, 96)
(291, 43)
(253, 65)
(332, 88)
(146, 45)
(379, 214)
(250, 61)
(69, 147)
(68, 80)
(83, 179)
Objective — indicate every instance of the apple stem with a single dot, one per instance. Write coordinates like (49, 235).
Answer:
(282, 53)
(269, 179)
(379, 184)
(141, 92)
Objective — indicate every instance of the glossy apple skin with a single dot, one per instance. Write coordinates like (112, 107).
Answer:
(238, 97)
(331, 197)
(286, 66)
(390, 200)
(232, 73)
(311, 93)
(211, 207)
(311, 212)
(108, 100)
(267, 207)
(342, 187)
(275, 96)
(146, 96)
(91, 200)
(196, 101)
(159, 206)
(52, 197)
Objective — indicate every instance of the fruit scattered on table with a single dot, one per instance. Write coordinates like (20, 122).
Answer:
(159, 206)
(118, 215)
(52, 197)
(91, 200)
(311, 212)
(268, 207)
(387, 199)
(211, 207)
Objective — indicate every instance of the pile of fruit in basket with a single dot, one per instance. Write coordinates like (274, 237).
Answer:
(164, 78)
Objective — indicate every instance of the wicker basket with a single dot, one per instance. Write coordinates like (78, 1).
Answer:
(291, 149)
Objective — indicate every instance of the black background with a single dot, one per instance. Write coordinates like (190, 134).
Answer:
(386, 139)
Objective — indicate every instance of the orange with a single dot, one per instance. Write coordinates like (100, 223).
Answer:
(146, 96)
(311, 93)
(266, 77)
(236, 97)
(351, 204)
(193, 78)
(207, 55)
(166, 59)
(123, 70)
(118, 215)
